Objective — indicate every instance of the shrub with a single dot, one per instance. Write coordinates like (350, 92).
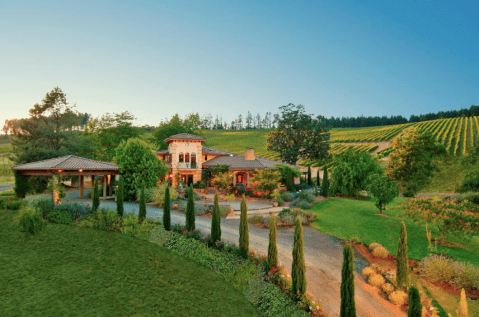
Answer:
(376, 280)
(230, 197)
(15, 204)
(437, 268)
(374, 245)
(287, 196)
(398, 297)
(307, 195)
(21, 184)
(62, 217)
(387, 288)
(102, 219)
(381, 252)
(130, 226)
(224, 210)
(29, 220)
(200, 209)
(367, 271)
(75, 210)
(149, 194)
(471, 183)
(303, 204)
(467, 275)
(255, 219)
(159, 194)
(470, 196)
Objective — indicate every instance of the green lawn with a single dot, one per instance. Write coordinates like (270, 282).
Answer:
(72, 271)
(350, 218)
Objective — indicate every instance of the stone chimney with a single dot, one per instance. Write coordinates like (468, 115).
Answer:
(249, 154)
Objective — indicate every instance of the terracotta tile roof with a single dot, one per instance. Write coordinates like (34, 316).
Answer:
(185, 136)
(238, 162)
(206, 150)
(69, 162)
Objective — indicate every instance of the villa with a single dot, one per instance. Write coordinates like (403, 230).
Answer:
(187, 157)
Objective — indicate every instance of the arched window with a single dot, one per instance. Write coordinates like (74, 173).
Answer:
(180, 158)
(193, 160)
(187, 157)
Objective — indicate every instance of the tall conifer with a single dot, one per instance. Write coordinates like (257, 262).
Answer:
(325, 188)
(415, 307)
(166, 209)
(119, 198)
(289, 181)
(244, 229)
(462, 311)
(318, 180)
(142, 212)
(272, 247)
(402, 268)
(190, 210)
(96, 196)
(310, 181)
(298, 271)
(348, 304)
(216, 221)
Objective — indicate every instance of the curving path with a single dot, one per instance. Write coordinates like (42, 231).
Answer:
(323, 255)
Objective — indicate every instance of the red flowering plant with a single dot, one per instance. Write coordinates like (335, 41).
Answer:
(307, 303)
(278, 276)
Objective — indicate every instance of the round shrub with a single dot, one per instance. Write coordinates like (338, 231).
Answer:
(255, 219)
(437, 268)
(29, 220)
(398, 297)
(387, 288)
(374, 245)
(367, 271)
(380, 252)
(60, 216)
(287, 196)
(376, 280)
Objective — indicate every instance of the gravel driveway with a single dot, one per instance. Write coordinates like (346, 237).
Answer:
(323, 255)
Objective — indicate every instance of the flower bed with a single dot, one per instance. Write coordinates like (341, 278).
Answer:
(286, 218)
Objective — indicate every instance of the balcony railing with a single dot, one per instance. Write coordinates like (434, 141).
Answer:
(186, 165)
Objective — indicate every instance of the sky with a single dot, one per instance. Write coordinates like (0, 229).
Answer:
(158, 58)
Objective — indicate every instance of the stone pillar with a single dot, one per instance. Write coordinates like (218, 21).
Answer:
(174, 181)
(104, 186)
(247, 179)
(81, 186)
(234, 179)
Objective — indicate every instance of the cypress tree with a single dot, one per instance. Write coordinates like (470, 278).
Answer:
(310, 181)
(289, 181)
(142, 212)
(166, 209)
(348, 305)
(190, 210)
(462, 311)
(298, 271)
(325, 188)
(415, 307)
(317, 178)
(215, 222)
(119, 198)
(272, 247)
(244, 230)
(402, 268)
(96, 196)
(21, 184)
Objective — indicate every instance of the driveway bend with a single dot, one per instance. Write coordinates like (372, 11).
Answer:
(323, 256)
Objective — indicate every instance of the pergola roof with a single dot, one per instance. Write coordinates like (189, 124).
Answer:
(68, 163)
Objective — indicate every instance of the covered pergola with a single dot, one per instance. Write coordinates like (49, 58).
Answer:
(71, 165)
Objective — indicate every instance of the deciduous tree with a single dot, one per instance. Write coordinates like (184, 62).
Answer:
(268, 180)
(383, 188)
(299, 135)
(190, 124)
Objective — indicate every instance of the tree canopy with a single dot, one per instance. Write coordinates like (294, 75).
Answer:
(108, 131)
(413, 162)
(190, 124)
(299, 135)
(138, 163)
(51, 131)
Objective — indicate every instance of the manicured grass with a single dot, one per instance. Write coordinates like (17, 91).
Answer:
(72, 271)
(350, 218)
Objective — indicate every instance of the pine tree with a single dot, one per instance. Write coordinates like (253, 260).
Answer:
(142, 212)
(244, 230)
(166, 209)
(415, 308)
(96, 196)
(216, 222)
(272, 247)
(402, 269)
(462, 311)
(317, 178)
(119, 198)
(190, 210)
(298, 271)
(325, 189)
(348, 304)
(310, 181)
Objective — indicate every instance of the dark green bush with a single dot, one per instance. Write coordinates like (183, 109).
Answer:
(15, 204)
(131, 226)
(471, 183)
(62, 217)
(29, 220)
(21, 184)
(42, 204)
(75, 210)
(104, 219)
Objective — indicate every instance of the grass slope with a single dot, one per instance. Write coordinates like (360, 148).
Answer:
(71, 271)
(351, 218)
(6, 174)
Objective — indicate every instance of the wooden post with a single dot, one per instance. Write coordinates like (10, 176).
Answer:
(81, 186)
(104, 187)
